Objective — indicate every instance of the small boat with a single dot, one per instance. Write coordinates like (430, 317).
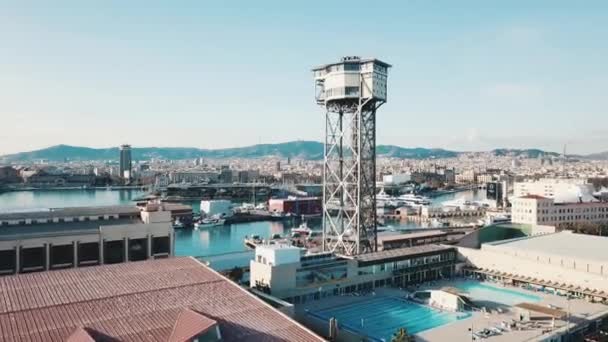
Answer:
(303, 229)
(209, 222)
(278, 216)
(178, 224)
(253, 241)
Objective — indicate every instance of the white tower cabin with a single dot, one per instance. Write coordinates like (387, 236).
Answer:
(343, 80)
(350, 91)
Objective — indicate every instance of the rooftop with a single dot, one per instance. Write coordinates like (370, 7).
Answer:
(416, 235)
(137, 301)
(565, 244)
(353, 60)
(399, 253)
(59, 228)
(71, 212)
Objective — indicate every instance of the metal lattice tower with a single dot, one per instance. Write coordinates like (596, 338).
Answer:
(351, 91)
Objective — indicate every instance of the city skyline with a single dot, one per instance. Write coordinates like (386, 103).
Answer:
(465, 78)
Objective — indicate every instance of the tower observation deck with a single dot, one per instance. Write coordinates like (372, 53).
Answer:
(350, 91)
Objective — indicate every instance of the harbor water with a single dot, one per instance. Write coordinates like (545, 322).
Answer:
(188, 242)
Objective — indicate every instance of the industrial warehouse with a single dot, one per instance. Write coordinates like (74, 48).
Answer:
(84, 236)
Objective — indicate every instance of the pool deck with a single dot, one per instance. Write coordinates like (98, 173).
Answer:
(459, 330)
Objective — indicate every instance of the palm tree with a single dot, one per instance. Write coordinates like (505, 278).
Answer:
(401, 335)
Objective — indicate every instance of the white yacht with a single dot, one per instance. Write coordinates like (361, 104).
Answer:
(385, 200)
(303, 229)
(209, 222)
(414, 199)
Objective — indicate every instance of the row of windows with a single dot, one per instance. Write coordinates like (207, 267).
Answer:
(403, 264)
(573, 218)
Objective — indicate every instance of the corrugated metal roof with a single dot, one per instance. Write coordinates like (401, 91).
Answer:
(393, 254)
(416, 235)
(138, 301)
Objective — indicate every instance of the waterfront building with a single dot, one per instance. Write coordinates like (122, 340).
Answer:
(429, 212)
(125, 161)
(466, 177)
(396, 179)
(247, 176)
(296, 205)
(226, 175)
(43, 179)
(83, 236)
(484, 178)
(193, 176)
(539, 210)
(561, 190)
(287, 274)
(221, 208)
(497, 193)
(172, 300)
(392, 241)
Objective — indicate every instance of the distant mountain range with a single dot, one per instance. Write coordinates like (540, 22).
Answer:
(312, 150)
(527, 153)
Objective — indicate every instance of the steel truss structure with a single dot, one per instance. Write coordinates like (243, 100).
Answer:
(349, 176)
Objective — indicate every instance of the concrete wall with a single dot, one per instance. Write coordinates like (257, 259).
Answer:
(578, 264)
(445, 300)
(280, 278)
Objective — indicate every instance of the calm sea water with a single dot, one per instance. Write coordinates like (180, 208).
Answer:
(204, 242)
(30, 200)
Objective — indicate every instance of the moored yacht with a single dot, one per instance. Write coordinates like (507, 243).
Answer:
(210, 222)
(303, 229)
(414, 199)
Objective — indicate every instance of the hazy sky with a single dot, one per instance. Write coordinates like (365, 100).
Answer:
(467, 75)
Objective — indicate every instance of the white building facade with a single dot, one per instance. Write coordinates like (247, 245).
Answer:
(561, 190)
(539, 210)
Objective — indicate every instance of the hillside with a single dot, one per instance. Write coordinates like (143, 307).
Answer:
(312, 150)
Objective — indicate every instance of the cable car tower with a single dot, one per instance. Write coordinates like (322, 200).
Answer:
(350, 91)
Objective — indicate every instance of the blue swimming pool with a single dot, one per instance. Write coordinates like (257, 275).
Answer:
(495, 293)
(381, 317)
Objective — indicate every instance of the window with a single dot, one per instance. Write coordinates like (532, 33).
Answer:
(352, 91)
(351, 67)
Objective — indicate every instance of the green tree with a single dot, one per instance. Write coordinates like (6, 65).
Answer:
(401, 335)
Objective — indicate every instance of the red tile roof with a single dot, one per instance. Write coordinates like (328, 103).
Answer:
(80, 335)
(138, 301)
(190, 324)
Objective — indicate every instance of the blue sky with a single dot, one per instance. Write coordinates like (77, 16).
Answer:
(468, 75)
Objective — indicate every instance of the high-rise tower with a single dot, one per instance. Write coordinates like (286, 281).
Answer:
(350, 91)
(125, 161)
